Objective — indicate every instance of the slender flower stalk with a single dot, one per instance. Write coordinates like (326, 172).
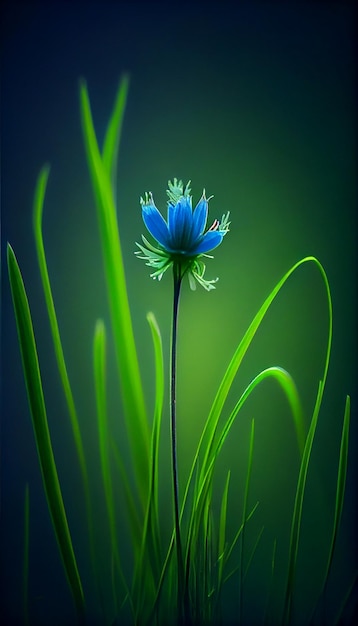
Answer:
(182, 243)
(177, 279)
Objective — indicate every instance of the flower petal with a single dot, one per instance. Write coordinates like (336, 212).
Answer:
(180, 222)
(156, 224)
(199, 217)
(212, 239)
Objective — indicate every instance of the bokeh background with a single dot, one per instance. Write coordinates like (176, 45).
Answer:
(256, 103)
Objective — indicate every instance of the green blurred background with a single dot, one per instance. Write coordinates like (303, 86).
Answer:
(255, 103)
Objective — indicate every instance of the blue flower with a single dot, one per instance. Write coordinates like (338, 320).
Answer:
(182, 239)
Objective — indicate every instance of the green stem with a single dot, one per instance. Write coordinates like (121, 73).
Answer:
(177, 275)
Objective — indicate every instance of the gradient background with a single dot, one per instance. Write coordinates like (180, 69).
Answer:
(257, 104)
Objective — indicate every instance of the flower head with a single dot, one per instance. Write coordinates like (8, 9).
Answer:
(183, 239)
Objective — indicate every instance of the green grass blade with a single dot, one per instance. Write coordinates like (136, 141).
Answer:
(242, 348)
(148, 565)
(126, 354)
(26, 555)
(297, 512)
(38, 207)
(37, 221)
(99, 367)
(237, 568)
(158, 412)
(225, 385)
(287, 384)
(42, 435)
(238, 534)
(253, 551)
(341, 483)
(113, 134)
(244, 513)
(222, 531)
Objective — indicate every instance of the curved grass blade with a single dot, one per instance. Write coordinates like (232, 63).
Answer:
(42, 435)
(211, 424)
(126, 354)
(210, 427)
(26, 555)
(289, 387)
(40, 192)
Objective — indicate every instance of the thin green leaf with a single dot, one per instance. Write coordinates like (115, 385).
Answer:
(148, 564)
(341, 483)
(42, 435)
(99, 367)
(244, 511)
(222, 531)
(39, 198)
(127, 361)
(113, 134)
(297, 512)
(211, 424)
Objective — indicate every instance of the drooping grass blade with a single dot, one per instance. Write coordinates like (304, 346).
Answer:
(42, 435)
(289, 388)
(101, 170)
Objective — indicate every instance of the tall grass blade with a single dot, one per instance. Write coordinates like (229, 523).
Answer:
(297, 512)
(341, 483)
(244, 513)
(211, 424)
(148, 565)
(301, 484)
(113, 134)
(126, 354)
(42, 435)
(38, 207)
(222, 532)
(99, 367)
